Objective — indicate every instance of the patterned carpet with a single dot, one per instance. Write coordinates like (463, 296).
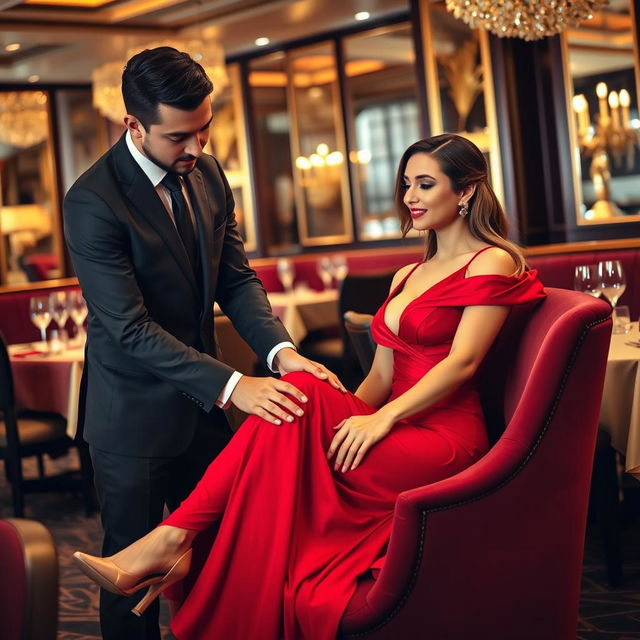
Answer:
(605, 614)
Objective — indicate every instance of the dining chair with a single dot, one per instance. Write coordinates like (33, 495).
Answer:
(496, 550)
(360, 292)
(36, 434)
(358, 328)
(28, 581)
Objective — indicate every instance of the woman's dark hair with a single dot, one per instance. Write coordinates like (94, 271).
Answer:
(162, 75)
(464, 165)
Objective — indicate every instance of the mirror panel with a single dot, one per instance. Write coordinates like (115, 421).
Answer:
(384, 120)
(271, 128)
(321, 181)
(29, 214)
(228, 143)
(82, 133)
(601, 61)
(460, 83)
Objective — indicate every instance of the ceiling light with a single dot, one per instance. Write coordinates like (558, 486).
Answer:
(523, 18)
(33, 78)
(362, 15)
(14, 46)
(263, 41)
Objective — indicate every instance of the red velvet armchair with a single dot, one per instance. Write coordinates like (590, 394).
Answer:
(495, 552)
(28, 581)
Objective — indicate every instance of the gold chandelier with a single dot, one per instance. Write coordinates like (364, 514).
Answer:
(24, 121)
(106, 79)
(526, 19)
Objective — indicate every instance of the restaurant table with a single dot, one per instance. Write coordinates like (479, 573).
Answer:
(304, 310)
(620, 412)
(46, 382)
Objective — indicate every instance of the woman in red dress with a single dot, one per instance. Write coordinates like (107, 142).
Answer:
(304, 508)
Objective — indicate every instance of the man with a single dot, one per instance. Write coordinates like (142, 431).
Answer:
(153, 238)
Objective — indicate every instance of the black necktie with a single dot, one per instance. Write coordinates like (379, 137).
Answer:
(181, 215)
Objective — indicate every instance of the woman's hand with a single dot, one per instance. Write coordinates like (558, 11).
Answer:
(356, 435)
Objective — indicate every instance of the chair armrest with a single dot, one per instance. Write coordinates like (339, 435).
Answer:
(361, 321)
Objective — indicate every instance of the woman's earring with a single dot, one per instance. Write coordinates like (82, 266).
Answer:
(464, 209)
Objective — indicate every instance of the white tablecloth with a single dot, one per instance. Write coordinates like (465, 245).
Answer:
(303, 311)
(620, 412)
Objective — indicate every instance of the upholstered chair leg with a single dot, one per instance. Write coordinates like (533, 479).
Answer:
(14, 471)
(40, 465)
(607, 507)
(86, 471)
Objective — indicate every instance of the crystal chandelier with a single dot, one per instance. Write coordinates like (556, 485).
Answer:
(24, 120)
(526, 19)
(107, 94)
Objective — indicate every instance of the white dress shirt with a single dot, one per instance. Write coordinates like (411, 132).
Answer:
(155, 175)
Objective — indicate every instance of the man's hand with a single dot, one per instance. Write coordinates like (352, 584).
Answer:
(288, 360)
(265, 397)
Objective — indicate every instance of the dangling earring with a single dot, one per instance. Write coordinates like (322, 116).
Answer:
(464, 209)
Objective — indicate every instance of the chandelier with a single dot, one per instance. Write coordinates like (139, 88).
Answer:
(24, 120)
(107, 79)
(526, 19)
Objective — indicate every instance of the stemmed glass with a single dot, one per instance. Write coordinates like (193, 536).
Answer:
(40, 314)
(325, 271)
(586, 280)
(340, 268)
(612, 280)
(78, 311)
(286, 273)
(58, 308)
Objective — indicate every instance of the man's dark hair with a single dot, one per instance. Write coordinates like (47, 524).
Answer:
(162, 75)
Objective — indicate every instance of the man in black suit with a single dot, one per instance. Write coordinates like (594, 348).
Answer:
(153, 238)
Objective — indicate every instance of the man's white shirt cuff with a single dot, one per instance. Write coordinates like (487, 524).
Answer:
(223, 400)
(274, 352)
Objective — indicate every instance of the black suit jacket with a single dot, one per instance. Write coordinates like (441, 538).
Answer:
(151, 356)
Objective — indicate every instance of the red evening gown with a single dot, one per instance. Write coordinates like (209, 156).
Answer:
(294, 535)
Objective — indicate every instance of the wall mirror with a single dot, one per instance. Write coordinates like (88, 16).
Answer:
(321, 181)
(271, 128)
(460, 83)
(82, 133)
(601, 70)
(228, 143)
(29, 213)
(384, 119)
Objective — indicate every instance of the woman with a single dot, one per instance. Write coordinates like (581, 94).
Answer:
(305, 508)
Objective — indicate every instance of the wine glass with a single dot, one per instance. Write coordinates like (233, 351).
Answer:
(325, 271)
(58, 308)
(78, 311)
(340, 267)
(586, 280)
(40, 314)
(286, 273)
(612, 280)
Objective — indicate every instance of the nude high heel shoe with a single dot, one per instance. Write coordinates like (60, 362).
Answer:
(110, 577)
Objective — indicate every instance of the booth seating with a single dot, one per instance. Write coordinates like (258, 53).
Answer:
(556, 264)
(496, 550)
(557, 270)
(28, 581)
(15, 324)
(360, 262)
(40, 266)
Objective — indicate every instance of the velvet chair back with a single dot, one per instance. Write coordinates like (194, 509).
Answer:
(495, 552)
(28, 581)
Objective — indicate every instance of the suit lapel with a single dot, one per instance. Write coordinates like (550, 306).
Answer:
(143, 196)
(202, 211)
